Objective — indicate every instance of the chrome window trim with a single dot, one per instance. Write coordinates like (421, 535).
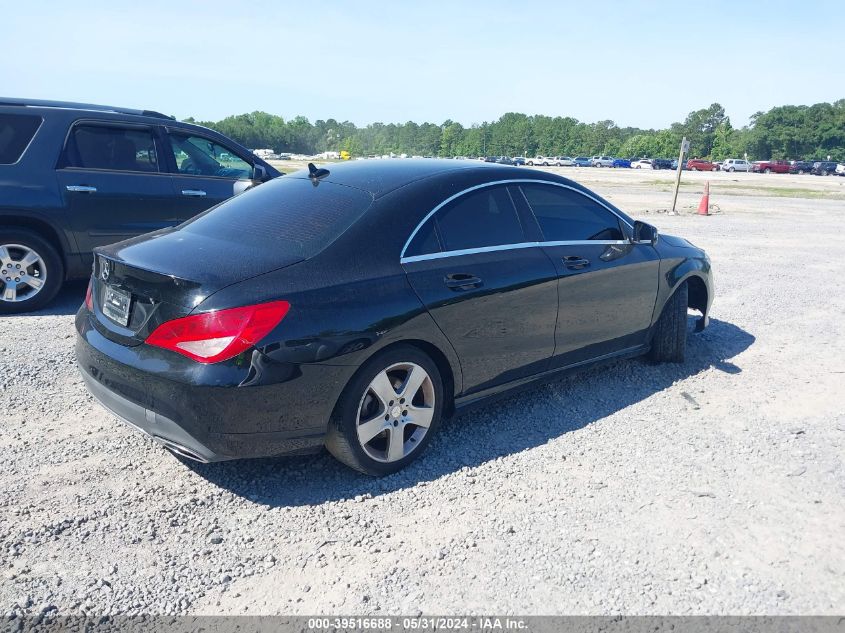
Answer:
(508, 247)
(484, 249)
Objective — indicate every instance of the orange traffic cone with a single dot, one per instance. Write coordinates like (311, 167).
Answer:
(704, 205)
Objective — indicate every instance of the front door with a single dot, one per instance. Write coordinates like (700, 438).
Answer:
(607, 284)
(113, 184)
(492, 294)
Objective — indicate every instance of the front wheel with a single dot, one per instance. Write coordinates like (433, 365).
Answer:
(31, 271)
(388, 412)
(732, 170)
(767, 171)
(669, 342)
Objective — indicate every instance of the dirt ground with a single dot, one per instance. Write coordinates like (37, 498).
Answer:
(713, 487)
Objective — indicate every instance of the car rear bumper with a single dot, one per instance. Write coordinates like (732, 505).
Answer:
(210, 413)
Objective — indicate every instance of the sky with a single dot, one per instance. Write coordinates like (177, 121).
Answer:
(642, 64)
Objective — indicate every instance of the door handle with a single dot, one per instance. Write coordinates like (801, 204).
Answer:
(193, 193)
(462, 281)
(81, 188)
(574, 262)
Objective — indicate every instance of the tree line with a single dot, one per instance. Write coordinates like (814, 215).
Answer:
(784, 132)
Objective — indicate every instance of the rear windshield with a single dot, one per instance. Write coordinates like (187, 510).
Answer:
(16, 131)
(290, 214)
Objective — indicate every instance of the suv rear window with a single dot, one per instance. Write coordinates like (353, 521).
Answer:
(285, 214)
(16, 131)
(114, 148)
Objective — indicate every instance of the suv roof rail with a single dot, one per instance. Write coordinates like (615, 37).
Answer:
(70, 105)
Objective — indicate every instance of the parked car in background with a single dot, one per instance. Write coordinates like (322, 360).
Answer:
(664, 163)
(700, 164)
(823, 168)
(539, 161)
(78, 176)
(621, 162)
(563, 161)
(601, 161)
(735, 164)
(641, 163)
(469, 294)
(504, 160)
(582, 161)
(486, 159)
(840, 169)
(769, 166)
(519, 160)
(801, 167)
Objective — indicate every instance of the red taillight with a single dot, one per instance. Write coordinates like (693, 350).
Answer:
(89, 296)
(211, 337)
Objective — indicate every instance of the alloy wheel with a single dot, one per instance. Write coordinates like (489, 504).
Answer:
(395, 412)
(22, 272)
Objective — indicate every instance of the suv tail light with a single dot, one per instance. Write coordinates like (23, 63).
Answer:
(216, 336)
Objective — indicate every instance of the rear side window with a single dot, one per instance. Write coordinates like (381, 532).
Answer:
(565, 215)
(485, 217)
(287, 214)
(114, 148)
(425, 241)
(16, 131)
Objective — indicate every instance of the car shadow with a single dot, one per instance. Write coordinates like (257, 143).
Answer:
(67, 302)
(486, 432)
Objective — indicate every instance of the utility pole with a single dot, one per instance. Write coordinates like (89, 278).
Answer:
(684, 150)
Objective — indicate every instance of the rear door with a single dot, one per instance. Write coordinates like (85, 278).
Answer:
(113, 183)
(206, 171)
(492, 293)
(607, 284)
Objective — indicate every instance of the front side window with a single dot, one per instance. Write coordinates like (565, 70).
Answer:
(198, 156)
(114, 148)
(16, 131)
(565, 215)
(485, 217)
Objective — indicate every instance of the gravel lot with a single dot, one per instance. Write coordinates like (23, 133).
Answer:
(716, 486)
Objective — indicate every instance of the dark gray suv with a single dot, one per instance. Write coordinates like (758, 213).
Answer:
(75, 176)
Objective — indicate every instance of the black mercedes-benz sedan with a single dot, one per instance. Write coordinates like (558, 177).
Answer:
(354, 307)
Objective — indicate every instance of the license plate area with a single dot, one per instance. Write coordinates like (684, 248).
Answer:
(116, 305)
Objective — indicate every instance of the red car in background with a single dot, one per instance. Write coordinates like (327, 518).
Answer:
(699, 164)
(769, 166)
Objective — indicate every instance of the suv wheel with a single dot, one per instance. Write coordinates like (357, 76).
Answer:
(31, 271)
(388, 412)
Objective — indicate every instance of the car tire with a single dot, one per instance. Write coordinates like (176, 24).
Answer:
(18, 246)
(731, 169)
(824, 172)
(800, 172)
(346, 441)
(669, 341)
(767, 171)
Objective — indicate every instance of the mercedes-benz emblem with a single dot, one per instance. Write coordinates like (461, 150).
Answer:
(105, 269)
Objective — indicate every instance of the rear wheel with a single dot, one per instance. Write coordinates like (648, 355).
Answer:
(388, 412)
(767, 171)
(731, 169)
(31, 271)
(669, 341)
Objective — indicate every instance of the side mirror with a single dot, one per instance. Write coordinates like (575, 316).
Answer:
(259, 173)
(644, 233)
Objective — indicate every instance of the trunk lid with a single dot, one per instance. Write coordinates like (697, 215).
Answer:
(166, 274)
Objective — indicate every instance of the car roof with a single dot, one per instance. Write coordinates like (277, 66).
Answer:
(71, 105)
(382, 176)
